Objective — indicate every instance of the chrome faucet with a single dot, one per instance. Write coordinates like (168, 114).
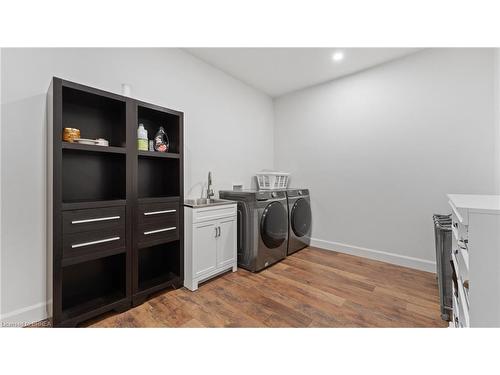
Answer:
(210, 190)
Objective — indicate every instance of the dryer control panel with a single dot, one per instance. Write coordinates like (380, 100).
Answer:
(266, 195)
(298, 192)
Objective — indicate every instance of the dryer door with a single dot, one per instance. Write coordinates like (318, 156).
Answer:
(300, 217)
(274, 225)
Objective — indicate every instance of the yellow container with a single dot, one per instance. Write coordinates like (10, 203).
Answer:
(70, 134)
(142, 144)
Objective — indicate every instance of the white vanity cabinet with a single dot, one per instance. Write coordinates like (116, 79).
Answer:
(210, 242)
(476, 260)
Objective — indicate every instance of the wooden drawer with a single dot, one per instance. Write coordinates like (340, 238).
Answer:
(213, 213)
(77, 244)
(158, 223)
(95, 219)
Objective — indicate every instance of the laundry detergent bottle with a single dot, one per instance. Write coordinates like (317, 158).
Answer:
(161, 142)
(142, 138)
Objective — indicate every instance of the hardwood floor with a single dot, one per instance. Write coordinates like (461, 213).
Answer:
(311, 288)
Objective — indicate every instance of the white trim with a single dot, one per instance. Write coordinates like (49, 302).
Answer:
(26, 315)
(1, 104)
(384, 256)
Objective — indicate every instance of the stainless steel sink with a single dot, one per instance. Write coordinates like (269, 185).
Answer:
(203, 202)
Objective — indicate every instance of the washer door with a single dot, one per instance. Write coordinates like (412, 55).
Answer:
(273, 225)
(301, 217)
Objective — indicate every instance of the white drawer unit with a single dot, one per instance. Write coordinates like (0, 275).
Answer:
(476, 260)
(210, 242)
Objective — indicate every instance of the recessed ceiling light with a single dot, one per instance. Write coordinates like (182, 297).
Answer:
(338, 56)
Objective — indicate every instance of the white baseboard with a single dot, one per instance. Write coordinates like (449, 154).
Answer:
(384, 256)
(25, 316)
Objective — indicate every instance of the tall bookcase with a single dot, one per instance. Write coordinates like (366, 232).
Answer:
(115, 218)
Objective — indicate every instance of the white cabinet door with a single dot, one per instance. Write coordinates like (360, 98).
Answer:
(204, 248)
(226, 242)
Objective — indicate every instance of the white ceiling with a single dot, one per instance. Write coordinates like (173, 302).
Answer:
(277, 71)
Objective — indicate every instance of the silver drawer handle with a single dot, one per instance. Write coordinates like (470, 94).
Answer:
(94, 220)
(94, 242)
(159, 212)
(159, 230)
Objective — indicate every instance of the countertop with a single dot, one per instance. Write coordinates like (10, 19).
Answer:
(194, 203)
(476, 202)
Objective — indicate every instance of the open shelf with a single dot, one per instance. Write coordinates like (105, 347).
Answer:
(65, 262)
(156, 154)
(159, 265)
(93, 148)
(158, 177)
(152, 119)
(161, 281)
(92, 305)
(91, 285)
(96, 116)
(90, 176)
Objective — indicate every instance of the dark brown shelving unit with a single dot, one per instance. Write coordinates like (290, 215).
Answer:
(115, 225)
(159, 230)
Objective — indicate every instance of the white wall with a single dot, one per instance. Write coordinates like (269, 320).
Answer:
(0, 189)
(228, 130)
(380, 149)
(497, 119)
